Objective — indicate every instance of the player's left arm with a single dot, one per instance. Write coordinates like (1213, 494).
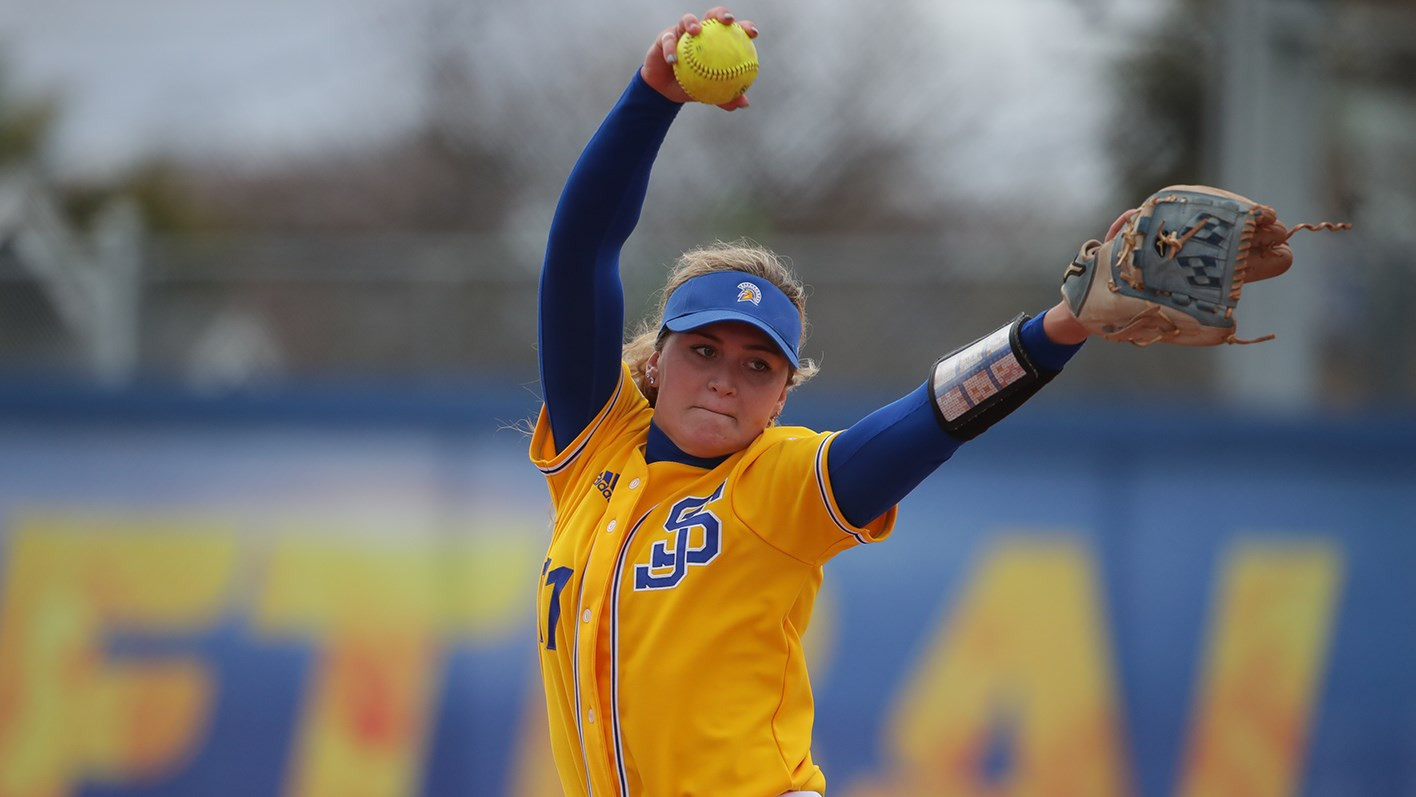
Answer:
(1062, 328)
(875, 463)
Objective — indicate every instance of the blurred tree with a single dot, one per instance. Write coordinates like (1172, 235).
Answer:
(1166, 95)
(441, 177)
(23, 124)
(424, 182)
(157, 189)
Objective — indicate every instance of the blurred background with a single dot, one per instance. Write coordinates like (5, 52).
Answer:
(267, 319)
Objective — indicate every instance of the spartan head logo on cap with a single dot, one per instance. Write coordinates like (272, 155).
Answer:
(705, 299)
(749, 292)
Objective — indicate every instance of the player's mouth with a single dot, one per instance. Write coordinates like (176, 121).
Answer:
(716, 412)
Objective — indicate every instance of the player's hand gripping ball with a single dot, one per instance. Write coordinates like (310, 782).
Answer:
(718, 64)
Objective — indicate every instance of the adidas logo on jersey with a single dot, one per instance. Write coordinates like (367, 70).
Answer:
(606, 482)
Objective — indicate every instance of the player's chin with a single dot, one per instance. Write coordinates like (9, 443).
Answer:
(716, 435)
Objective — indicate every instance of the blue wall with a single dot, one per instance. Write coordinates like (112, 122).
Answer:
(1284, 544)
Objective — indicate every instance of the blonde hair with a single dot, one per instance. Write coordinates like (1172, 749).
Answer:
(740, 255)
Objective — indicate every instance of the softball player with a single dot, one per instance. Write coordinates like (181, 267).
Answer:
(690, 530)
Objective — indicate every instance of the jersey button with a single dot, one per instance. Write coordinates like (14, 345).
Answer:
(591, 715)
(585, 616)
(612, 525)
(634, 485)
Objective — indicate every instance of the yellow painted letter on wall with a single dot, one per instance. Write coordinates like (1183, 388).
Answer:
(1016, 693)
(372, 610)
(67, 712)
(1269, 640)
(382, 611)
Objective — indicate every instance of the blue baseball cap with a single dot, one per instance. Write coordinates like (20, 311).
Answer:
(736, 296)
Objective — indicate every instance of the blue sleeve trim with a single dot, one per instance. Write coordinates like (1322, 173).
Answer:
(877, 462)
(581, 302)
(1046, 354)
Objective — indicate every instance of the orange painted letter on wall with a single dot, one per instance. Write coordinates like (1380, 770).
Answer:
(1268, 644)
(1016, 693)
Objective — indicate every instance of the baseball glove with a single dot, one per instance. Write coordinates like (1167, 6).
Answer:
(1175, 270)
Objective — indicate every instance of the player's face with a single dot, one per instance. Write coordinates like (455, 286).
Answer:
(719, 387)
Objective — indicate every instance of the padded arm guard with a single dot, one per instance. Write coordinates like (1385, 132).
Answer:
(980, 384)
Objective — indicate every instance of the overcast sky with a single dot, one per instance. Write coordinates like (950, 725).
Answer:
(264, 78)
(140, 76)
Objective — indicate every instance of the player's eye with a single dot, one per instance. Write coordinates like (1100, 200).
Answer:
(760, 366)
(703, 350)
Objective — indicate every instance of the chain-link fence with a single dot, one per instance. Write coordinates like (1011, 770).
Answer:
(260, 311)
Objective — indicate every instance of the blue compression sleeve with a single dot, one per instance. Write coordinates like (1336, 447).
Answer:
(581, 308)
(883, 456)
(877, 462)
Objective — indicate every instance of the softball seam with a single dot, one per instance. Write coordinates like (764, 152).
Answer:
(690, 59)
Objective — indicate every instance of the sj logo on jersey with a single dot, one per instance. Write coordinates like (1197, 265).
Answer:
(697, 540)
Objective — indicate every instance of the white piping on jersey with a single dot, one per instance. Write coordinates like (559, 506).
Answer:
(575, 661)
(605, 413)
(575, 668)
(614, 652)
(840, 521)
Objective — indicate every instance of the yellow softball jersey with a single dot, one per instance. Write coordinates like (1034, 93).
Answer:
(671, 608)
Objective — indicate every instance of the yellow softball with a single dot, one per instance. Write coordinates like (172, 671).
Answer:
(718, 64)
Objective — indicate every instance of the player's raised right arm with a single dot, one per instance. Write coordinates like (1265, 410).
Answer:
(581, 303)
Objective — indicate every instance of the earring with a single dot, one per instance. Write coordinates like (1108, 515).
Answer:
(651, 379)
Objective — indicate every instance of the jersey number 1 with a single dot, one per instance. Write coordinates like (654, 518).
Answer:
(556, 580)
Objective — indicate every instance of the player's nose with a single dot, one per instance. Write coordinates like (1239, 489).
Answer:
(721, 381)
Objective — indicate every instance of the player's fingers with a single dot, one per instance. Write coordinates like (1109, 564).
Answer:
(737, 102)
(750, 28)
(689, 24)
(721, 14)
(668, 44)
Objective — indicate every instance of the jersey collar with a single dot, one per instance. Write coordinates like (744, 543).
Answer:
(660, 448)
